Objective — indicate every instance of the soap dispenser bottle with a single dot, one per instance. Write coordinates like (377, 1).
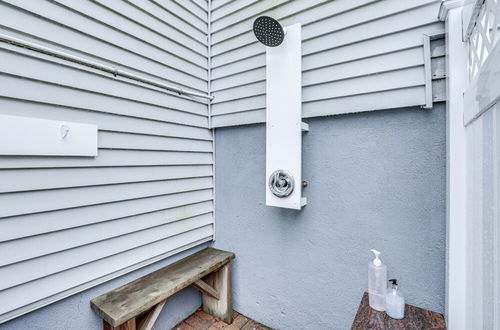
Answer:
(395, 302)
(377, 282)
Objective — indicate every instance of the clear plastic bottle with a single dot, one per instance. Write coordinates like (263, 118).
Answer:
(377, 282)
(395, 302)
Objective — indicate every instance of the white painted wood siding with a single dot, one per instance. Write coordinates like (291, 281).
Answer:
(357, 55)
(69, 223)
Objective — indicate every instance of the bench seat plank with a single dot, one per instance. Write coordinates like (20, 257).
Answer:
(134, 298)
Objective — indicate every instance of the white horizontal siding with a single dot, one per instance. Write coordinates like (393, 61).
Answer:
(38, 71)
(55, 178)
(401, 59)
(111, 158)
(68, 223)
(90, 274)
(358, 55)
(40, 223)
(62, 244)
(69, 29)
(399, 98)
(107, 121)
(160, 11)
(43, 201)
(401, 78)
(138, 231)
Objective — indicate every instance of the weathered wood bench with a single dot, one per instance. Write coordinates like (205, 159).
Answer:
(137, 304)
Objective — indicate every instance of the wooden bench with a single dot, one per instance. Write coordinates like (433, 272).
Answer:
(137, 304)
(415, 318)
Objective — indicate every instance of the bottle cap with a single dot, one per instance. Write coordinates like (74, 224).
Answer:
(376, 261)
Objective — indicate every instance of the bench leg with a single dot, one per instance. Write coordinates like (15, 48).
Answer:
(129, 325)
(148, 320)
(222, 307)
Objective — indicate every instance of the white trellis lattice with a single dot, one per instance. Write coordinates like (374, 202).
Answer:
(484, 35)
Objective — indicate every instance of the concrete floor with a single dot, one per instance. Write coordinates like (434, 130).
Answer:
(203, 321)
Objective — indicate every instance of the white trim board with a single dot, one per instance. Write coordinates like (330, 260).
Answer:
(456, 171)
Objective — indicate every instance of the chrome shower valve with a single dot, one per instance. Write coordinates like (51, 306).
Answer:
(281, 183)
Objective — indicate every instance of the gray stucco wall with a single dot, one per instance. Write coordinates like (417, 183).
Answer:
(74, 313)
(377, 180)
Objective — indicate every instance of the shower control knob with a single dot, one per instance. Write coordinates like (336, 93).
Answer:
(281, 183)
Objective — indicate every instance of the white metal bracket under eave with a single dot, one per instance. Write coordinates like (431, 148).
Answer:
(284, 124)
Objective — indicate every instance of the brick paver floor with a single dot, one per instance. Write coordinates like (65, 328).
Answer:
(203, 321)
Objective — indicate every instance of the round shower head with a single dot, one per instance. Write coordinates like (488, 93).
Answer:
(268, 31)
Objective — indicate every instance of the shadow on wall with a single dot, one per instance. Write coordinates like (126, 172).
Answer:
(377, 180)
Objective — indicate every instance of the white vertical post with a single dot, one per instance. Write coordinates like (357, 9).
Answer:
(456, 172)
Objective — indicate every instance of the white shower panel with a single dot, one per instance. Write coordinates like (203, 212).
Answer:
(284, 116)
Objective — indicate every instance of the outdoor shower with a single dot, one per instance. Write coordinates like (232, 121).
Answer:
(283, 112)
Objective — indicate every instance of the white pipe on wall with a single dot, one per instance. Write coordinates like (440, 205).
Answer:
(96, 65)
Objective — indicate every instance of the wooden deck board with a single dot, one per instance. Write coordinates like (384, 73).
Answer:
(136, 297)
(203, 321)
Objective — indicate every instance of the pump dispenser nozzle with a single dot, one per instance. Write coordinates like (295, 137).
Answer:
(376, 261)
(394, 283)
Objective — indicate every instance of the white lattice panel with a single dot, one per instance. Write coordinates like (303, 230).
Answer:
(484, 35)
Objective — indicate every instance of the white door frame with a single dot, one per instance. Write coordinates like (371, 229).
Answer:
(473, 66)
(451, 12)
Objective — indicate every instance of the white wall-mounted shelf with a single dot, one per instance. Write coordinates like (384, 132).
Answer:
(23, 136)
